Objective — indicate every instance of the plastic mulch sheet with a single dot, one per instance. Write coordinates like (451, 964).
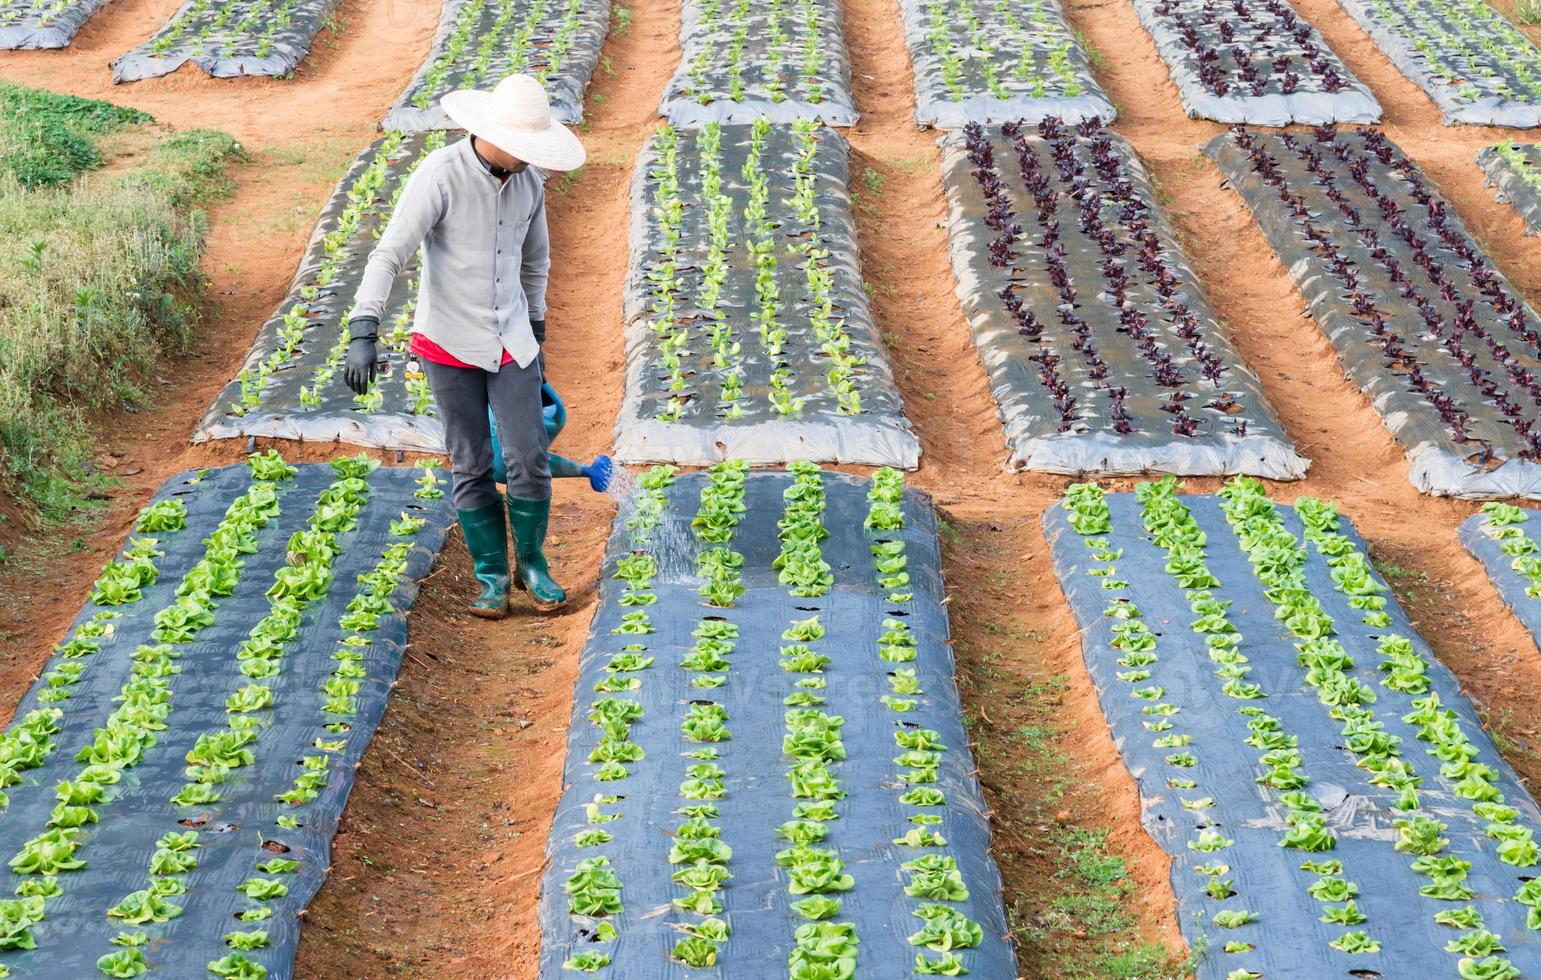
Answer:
(480, 41)
(1447, 351)
(1260, 64)
(291, 386)
(1476, 66)
(1214, 802)
(29, 24)
(732, 71)
(229, 38)
(284, 716)
(1078, 391)
(756, 366)
(639, 812)
(1506, 546)
(1514, 171)
(987, 62)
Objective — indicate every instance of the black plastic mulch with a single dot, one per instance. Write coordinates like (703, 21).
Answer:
(1288, 939)
(1514, 171)
(1035, 66)
(233, 832)
(757, 800)
(1075, 389)
(806, 76)
(1445, 348)
(1465, 56)
(558, 41)
(1512, 586)
(1258, 63)
(879, 434)
(245, 37)
(31, 26)
(280, 412)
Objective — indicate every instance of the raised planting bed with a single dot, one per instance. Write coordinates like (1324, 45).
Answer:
(174, 779)
(741, 60)
(229, 38)
(1514, 170)
(993, 61)
(1475, 65)
(748, 330)
(27, 24)
(291, 386)
(481, 41)
(1240, 62)
(1444, 347)
(1330, 802)
(767, 770)
(1103, 354)
(1508, 543)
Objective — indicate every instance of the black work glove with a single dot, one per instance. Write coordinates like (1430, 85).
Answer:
(359, 368)
(538, 328)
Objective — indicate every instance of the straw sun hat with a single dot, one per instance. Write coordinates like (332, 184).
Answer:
(516, 118)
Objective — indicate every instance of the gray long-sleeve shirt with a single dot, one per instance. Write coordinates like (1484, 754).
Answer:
(485, 257)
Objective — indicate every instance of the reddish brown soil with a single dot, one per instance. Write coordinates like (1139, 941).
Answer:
(437, 866)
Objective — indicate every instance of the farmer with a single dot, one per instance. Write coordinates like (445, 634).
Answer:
(477, 208)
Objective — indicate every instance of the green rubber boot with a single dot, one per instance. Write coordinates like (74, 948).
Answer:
(527, 519)
(487, 541)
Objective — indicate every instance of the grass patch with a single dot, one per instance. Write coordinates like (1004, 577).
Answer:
(47, 139)
(99, 275)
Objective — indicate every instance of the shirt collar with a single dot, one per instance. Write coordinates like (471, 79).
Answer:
(487, 165)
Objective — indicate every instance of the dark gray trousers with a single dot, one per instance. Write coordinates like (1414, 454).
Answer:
(463, 396)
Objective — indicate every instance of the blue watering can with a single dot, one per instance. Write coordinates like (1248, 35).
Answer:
(554, 416)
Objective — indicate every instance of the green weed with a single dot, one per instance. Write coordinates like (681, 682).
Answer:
(1098, 59)
(564, 183)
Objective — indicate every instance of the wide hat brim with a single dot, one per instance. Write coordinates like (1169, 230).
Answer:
(549, 147)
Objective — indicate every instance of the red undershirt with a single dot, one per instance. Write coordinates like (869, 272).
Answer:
(433, 353)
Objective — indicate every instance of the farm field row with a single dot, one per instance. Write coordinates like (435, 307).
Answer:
(175, 776)
(477, 42)
(759, 288)
(984, 61)
(765, 637)
(749, 333)
(1329, 800)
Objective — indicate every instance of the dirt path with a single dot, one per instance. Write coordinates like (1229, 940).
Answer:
(436, 869)
(448, 823)
(1013, 635)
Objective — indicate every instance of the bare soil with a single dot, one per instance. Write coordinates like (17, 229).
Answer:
(436, 869)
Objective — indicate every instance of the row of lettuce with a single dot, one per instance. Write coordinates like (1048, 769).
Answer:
(1462, 810)
(222, 761)
(818, 664)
